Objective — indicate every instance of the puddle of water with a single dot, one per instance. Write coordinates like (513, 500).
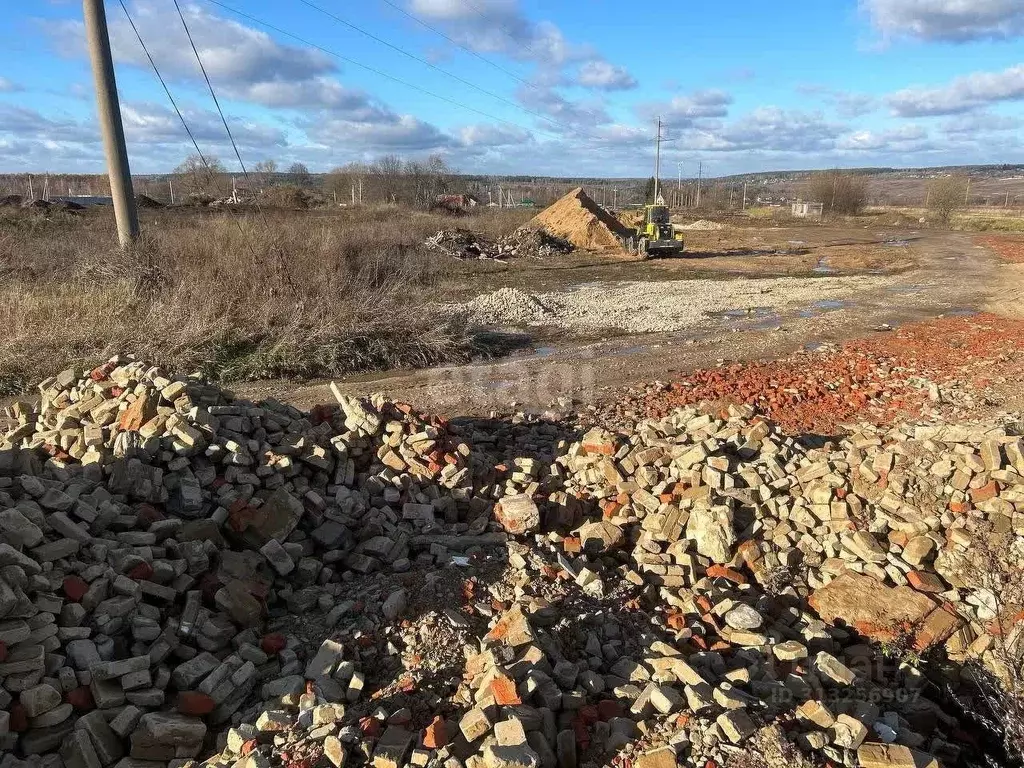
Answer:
(823, 267)
(820, 307)
(752, 319)
(961, 312)
(544, 351)
(896, 243)
(750, 313)
(769, 323)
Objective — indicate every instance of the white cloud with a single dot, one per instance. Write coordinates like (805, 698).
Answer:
(8, 86)
(767, 129)
(568, 114)
(475, 136)
(402, 133)
(248, 65)
(961, 95)
(146, 122)
(847, 104)
(605, 76)
(904, 138)
(682, 111)
(947, 20)
(501, 27)
(980, 124)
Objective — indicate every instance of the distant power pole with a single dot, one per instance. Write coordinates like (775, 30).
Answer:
(125, 213)
(744, 196)
(170, 186)
(967, 194)
(700, 177)
(657, 163)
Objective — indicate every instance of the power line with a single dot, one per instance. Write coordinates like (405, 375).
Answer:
(454, 42)
(213, 93)
(227, 128)
(424, 62)
(374, 70)
(160, 77)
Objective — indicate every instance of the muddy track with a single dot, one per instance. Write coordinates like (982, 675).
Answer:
(952, 276)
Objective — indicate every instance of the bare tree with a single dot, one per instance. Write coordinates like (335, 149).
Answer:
(946, 195)
(300, 175)
(264, 171)
(346, 181)
(386, 172)
(199, 178)
(840, 193)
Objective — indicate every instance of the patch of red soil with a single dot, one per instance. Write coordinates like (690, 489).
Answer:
(875, 379)
(1009, 248)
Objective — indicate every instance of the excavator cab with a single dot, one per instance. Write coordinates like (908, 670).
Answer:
(658, 237)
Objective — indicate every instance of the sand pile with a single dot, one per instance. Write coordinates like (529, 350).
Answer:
(582, 222)
(702, 225)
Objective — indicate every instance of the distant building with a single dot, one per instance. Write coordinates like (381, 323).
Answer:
(458, 201)
(808, 210)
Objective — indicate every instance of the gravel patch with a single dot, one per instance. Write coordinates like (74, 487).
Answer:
(653, 307)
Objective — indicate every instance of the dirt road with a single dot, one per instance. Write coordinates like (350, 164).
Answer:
(936, 274)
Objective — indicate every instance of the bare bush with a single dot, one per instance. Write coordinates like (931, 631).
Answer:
(947, 195)
(993, 567)
(840, 193)
(202, 179)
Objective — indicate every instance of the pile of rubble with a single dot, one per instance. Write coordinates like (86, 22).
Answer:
(188, 576)
(525, 242)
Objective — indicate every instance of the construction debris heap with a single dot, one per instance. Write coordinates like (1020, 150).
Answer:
(185, 576)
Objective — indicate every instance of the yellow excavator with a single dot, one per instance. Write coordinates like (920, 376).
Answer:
(657, 236)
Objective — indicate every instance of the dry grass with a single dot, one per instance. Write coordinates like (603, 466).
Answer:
(994, 564)
(303, 294)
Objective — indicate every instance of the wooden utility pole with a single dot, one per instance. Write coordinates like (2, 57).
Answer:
(744, 196)
(700, 178)
(114, 148)
(967, 194)
(657, 163)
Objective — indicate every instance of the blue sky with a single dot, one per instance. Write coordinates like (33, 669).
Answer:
(562, 87)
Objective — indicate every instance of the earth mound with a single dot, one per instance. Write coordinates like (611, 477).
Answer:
(581, 221)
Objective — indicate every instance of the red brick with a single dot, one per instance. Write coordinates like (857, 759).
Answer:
(273, 644)
(195, 703)
(141, 572)
(723, 572)
(435, 735)
(925, 581)
(75, 588)
(80, 698)
(505, 693)
(988, 491)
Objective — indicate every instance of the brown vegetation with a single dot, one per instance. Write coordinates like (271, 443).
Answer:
(946, 195)
(239, 296)
(840, 193)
